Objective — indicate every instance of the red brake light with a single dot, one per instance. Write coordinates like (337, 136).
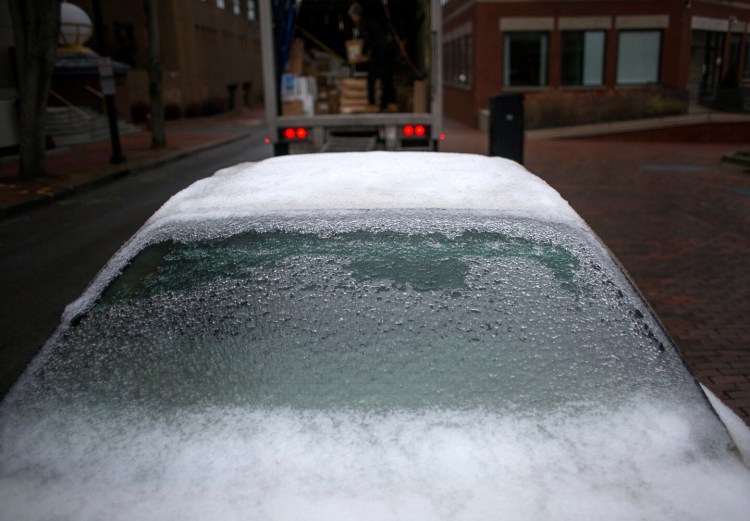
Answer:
(301, 133)
(408, 130)
(419, 130)
(289, 133)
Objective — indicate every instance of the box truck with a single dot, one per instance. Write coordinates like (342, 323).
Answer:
(339, 76)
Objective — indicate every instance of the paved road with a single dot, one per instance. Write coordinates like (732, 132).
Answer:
(51, 253)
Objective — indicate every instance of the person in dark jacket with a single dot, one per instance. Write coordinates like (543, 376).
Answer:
(381, 54)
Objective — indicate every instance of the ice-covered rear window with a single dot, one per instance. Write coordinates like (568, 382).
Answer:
(377, 320)
(440, 371)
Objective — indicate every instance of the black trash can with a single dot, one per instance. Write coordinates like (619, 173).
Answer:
(506, 127)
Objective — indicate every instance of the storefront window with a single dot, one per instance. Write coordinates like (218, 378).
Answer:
(583, 57)
(638, 57)
(458, 56)
(525, 58)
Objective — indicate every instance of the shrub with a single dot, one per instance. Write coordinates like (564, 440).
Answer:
(194, 110)
(562, 108)
(214, 105)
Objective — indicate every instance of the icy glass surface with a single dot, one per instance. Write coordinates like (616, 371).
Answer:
(369, 366)
(383, 320)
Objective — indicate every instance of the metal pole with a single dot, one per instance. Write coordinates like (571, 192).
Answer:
(109, 98)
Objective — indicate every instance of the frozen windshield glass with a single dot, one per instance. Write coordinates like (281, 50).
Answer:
(364, 319)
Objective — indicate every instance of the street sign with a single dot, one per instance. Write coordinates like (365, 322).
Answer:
(106, 76)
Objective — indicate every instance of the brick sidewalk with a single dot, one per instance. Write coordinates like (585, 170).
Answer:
(72, 167)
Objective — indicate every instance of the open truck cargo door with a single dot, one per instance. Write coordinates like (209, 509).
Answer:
(322, 74)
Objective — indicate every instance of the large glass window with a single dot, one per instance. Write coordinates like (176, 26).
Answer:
(525, 58)
(583, 57)
(638, 57)
(458, 56)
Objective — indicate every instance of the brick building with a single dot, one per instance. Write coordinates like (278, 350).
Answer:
(579, 48)
(210, 49)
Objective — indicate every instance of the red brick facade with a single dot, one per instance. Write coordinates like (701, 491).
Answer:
(684, 61)
(208, 52)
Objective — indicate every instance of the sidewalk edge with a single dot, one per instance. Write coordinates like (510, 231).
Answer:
(7, 210)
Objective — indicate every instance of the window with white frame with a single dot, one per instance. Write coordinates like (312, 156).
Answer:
(252, 14)
(525, 57)
(638, 57)
(221, 4)
(583, 58)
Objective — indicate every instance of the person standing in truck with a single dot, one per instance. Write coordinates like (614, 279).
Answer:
(381, 53)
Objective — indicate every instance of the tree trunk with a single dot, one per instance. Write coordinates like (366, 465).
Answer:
(155, 84)
(36, 26)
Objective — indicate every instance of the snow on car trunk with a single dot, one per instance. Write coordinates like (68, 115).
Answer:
(637, 462)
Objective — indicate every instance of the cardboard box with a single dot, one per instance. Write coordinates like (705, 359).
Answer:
(404, 98)
(354, 51)
(322, 107)
(292, 108)
(358, 109)
(353, 95)
(421, 96)
(295, 64)
(289, 87)
(354, 84)
(294, 86)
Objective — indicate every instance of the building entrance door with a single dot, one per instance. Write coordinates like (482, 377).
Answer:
(705, 65)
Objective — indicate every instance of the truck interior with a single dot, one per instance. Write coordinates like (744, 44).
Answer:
(321, 67)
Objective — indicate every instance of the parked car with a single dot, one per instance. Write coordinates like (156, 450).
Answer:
(367, 335)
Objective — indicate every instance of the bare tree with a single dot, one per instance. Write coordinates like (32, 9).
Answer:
(36, 25)
(155, 83)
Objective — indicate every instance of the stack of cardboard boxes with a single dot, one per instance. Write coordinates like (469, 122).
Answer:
(298, 95)
(353, 97)
(319, 83)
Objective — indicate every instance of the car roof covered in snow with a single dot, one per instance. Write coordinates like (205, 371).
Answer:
(370, 180)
